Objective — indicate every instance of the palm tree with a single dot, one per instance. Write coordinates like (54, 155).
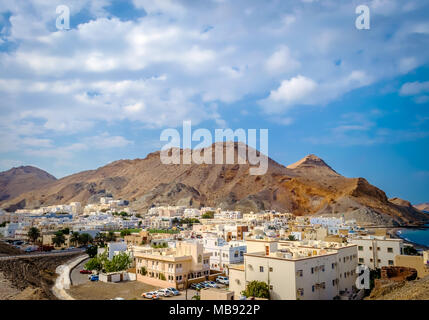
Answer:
(74, 238)
(59, 239)
(33, 234)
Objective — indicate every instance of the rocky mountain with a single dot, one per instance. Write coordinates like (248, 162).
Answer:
(19, 180)
(423, 206)
(309, 186)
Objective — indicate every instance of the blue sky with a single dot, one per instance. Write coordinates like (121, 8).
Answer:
(105, 89)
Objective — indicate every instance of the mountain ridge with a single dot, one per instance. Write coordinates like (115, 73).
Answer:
(310, 186)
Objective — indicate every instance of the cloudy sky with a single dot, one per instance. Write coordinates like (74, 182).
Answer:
(104, 90)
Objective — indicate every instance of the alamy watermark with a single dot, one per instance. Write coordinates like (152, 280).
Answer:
(363, 20)
(203, 153)
(63, 20)
(363, 279)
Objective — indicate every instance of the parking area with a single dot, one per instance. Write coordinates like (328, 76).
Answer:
(83, 289)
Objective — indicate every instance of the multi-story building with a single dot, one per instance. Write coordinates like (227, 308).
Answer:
(224, 253)
(306, 270)
(377, 252)
(172, 267)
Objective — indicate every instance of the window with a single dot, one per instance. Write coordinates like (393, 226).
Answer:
(271, 287)
(370, 260)
(370, 248)
(333, 266)
(390, 262)
(261, 269)
(312, 288)
(390, 250)
(271, 269)
(312, 270)
(299, 273)
(378, 248)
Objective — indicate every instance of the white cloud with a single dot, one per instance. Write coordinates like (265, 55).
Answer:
(414, 88)
(297, 90)
(281, 61)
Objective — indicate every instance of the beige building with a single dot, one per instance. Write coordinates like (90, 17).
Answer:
(305, 270)
(138, 239)
(377, 252)
(420, 263)
(172, 267)
(216, 294)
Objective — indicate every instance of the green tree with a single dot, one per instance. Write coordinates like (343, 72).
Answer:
(85, 238)
(59, 239)
(257, 289)
(119, 262)
(33, 234)
(291, 237)
(91, 251)
(94, 264)
(208, 215)
(125, 232)
(74, 238)
(162, 276)
(66, 231)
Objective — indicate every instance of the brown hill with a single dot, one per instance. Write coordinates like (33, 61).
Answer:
(19, 180)
(422, 206)
(308, 187)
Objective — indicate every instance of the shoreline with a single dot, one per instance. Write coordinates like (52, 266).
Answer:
(396, 233)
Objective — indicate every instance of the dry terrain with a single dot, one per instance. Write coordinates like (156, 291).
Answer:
(129, 290)
(30, 278)
(309, 186)
(411, 290)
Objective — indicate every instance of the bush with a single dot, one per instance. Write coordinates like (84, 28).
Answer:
(143, 271)
(257, 289)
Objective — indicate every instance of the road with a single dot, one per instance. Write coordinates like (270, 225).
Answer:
(76, 277)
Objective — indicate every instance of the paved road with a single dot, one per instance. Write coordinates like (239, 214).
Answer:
(76, 277)
(42, 254)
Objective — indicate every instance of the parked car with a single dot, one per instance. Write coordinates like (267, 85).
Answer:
(205, 284)
(83, 271)
(222, 279)
(164, 293)
(94, 277)
(196, 286)
(212, 284)
(150, 295)
(174, 291)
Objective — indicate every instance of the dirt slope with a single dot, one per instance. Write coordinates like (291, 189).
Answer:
(309, 186)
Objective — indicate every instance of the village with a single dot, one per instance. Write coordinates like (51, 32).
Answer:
(177, 252)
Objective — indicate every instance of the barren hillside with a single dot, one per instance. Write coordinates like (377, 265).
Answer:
(309, 186)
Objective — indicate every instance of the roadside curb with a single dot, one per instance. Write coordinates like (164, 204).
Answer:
(63, 281)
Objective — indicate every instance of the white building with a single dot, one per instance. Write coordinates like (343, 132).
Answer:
(376, 252)
(224, 253)
(307, 270)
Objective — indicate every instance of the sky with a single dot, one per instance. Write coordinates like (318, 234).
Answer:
(104, 90)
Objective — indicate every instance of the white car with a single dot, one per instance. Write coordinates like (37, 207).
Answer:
(223, 280)
(174, 291)
(164, 293)
(150, 295)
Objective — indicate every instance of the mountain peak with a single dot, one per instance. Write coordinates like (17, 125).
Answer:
(310, 160)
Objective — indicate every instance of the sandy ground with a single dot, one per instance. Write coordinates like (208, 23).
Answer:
(7, 290)
(98, 290)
